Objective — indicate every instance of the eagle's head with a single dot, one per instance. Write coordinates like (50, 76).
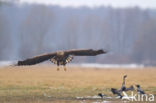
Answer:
(60, 53)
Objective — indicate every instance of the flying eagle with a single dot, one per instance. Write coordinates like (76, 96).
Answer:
(60, 57)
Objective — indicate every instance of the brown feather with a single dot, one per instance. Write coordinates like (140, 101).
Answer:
(85, 52)
(37, 59)
(60, 56)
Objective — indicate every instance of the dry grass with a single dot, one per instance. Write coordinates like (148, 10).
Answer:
(33, 82)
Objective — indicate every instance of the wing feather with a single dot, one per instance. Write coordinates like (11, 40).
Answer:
(36, 60)
(85, 52)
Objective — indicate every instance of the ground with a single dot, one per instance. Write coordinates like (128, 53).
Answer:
(44, 84)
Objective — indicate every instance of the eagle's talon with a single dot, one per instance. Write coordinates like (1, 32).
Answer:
(58, 69)
(65, 69)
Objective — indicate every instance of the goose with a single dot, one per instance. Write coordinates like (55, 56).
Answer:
(123, 87)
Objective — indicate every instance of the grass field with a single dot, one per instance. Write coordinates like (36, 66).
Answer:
(43, 84)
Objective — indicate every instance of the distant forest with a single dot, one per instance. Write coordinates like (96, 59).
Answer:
(128, 34)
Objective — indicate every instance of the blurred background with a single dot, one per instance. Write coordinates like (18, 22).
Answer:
(126, 29)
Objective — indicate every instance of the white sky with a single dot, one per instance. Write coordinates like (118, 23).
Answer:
(94, 3)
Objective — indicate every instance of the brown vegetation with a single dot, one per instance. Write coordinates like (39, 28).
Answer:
(38, 82)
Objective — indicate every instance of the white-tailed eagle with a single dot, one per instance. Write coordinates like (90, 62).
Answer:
(60, 57)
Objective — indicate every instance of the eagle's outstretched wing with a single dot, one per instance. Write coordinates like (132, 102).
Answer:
(35, 60)
(85, 52)
(41, 58)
